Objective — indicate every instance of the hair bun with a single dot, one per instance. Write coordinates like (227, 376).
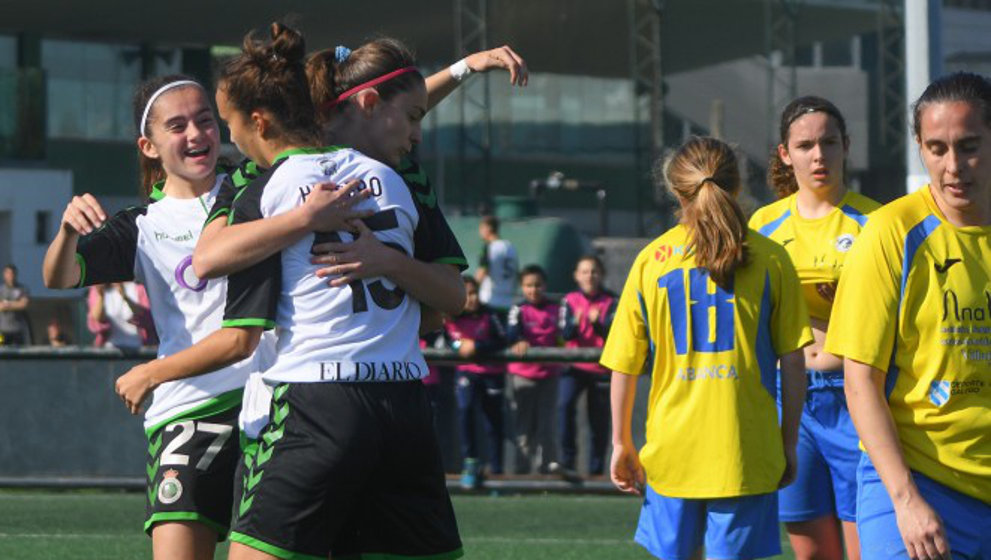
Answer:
(287, 44)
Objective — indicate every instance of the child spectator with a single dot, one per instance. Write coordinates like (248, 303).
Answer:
(586, 315)
(533, 323)
(480, 387)
(56, 336)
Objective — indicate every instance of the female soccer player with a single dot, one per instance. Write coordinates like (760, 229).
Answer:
(817, 220)
(911, 320)
(191, 424)
(348, 409)
(710, 308)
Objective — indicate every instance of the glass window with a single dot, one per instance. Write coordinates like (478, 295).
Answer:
(89, 89)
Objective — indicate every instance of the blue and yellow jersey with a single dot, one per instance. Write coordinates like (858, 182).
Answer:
(817, 247)
(712, 424)
(915, 301)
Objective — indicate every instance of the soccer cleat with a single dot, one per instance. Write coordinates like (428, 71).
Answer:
(471, 476)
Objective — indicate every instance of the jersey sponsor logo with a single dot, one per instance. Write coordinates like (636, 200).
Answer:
(186, 278)
(370, 371)
(719, 371)
(844, 242)
(665, 252)
(178, 238)
(953, 310)
(939, 392)
(942, 268)
(170, 489)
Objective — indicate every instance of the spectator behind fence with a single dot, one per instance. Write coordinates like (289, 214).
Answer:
(496, 274)
(480, 387)
(533, 323)
(586, 315)
(14, 327)
(56, 335)
(120, 316)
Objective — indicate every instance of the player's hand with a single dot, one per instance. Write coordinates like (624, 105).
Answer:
(503, 58)
(83, 215)
(791, 467)
(625, 469)
(331, 208)
(827, 290)
(520, 348)
(134, 387)
(467, 348)
(365, 257)
(922, 530)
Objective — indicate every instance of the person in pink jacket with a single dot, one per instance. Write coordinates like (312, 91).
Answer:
(533, 322)
(586, 315)
(474, 333)
(120, 316)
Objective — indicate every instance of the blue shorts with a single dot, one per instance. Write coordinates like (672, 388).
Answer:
(828, 454)
(967, 520)
(730, 528)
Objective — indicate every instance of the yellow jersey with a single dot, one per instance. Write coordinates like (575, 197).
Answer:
(712, 423)
(915, 302)
(818, 246)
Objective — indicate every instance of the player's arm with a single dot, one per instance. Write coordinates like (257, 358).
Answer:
(223, 249)
(793, 387)
(442, 83)
(436, 285)
(920, 526)
(626, 471)
(83, 215)
(217, 350)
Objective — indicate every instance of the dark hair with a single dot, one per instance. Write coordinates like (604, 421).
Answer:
(330, 78)
(533, 269)
(470, 280)
(151, 169)
(269, 75)
(12, 267)
(490, 222)
(780, 176)
(704, 176)
(959, 86)
(594, 258)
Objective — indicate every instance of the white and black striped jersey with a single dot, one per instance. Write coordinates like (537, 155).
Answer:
(364, 331)
(154, 245)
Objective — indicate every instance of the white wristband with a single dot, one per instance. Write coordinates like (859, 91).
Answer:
(460, 70)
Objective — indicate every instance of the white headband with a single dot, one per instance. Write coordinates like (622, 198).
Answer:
(158, 92)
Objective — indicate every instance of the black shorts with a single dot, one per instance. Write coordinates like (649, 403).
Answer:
(191, 466)
(348, 468)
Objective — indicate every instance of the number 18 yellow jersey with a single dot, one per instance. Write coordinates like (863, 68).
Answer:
(712, 423)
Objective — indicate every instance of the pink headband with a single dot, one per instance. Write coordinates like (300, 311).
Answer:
(370, 83)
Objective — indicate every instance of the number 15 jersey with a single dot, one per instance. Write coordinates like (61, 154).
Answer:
(363, 331)
(712, 423)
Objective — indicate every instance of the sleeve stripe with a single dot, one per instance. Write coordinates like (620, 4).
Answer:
(768, 229)
(460, 261)
(249, 322)
(217, 214)
(854, 214)
(82, 270)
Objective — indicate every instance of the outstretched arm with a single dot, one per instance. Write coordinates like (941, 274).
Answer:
(442, 83)
(223, 249)
(219, 349)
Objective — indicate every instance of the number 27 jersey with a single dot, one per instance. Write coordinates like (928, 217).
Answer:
(363, 331)
(712, 425)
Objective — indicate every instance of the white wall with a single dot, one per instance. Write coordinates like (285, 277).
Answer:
(23, 193)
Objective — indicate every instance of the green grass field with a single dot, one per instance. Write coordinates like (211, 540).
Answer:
(90, 525)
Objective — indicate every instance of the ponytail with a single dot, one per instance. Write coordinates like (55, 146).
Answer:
(704, 176)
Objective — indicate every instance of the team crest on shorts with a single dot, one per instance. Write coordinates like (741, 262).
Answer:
(170, 489)
(844, 242)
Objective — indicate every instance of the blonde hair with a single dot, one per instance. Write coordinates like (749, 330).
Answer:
(704, 176)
